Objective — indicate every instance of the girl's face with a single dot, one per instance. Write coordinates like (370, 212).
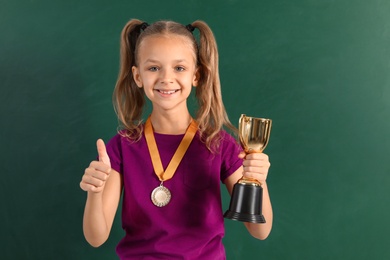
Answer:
(167, 71)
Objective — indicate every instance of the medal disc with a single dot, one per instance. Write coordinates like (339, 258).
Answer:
(161, 196)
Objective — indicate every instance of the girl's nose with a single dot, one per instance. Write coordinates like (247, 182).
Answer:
(167, 76)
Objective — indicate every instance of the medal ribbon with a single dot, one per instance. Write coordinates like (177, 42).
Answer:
(177, 157)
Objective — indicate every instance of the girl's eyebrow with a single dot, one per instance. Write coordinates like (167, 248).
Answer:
(150, 60)
(180, 60)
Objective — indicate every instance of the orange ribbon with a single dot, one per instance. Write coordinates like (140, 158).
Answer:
(177, 157)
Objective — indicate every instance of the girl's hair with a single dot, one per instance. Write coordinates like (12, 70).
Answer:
(129, 99)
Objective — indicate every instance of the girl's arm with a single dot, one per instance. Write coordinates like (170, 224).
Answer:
(104, 187)
(255, 166)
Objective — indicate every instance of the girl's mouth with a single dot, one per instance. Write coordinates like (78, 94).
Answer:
(167, 92)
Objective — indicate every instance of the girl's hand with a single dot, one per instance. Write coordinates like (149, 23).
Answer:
(96, 175)
(255, 166)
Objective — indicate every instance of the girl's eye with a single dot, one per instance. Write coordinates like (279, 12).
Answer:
(153, 69)
(179, 68)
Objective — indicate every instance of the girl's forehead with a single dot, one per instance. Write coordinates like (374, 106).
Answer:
(161, 41)
(173, 38)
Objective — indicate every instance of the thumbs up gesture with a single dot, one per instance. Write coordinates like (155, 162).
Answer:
(96, 175)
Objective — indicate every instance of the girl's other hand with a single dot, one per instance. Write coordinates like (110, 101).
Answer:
(96, 175)
(256, 166)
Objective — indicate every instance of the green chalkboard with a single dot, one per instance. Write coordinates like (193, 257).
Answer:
(319, 68)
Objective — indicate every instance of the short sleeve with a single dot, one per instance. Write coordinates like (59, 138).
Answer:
(229, 149)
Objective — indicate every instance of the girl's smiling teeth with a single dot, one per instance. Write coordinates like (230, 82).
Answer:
(167, 92)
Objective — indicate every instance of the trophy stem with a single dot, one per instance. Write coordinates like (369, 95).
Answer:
(249, 181)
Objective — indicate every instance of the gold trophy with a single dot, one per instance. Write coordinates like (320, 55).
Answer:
(247, 196)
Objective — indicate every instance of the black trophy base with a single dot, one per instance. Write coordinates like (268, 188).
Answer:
(246, 204)
(244, 217)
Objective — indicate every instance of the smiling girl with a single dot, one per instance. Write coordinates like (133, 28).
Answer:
(169, 167)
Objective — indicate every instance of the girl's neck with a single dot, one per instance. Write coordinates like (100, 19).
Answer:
(174, 124)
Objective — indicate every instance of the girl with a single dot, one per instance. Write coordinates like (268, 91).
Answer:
(170, 167)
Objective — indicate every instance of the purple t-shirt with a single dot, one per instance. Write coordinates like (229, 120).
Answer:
(191, 225)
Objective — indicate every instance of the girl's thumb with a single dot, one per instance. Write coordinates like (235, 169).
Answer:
(103, 156)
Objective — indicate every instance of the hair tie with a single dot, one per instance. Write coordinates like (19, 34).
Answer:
(144, 25)
(190, 27)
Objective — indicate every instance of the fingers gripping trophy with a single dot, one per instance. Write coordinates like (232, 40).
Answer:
(247, 196)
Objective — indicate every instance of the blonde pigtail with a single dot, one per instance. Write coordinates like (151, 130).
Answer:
(211, 115)
(128, 98)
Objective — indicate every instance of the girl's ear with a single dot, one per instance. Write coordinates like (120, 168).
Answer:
(195, 81)
(137, 76)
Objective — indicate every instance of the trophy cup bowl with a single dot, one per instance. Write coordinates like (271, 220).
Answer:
(247, 196)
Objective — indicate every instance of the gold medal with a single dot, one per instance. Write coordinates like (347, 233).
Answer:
(161, 196)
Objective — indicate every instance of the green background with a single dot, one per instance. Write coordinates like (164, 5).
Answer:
(319, 68)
